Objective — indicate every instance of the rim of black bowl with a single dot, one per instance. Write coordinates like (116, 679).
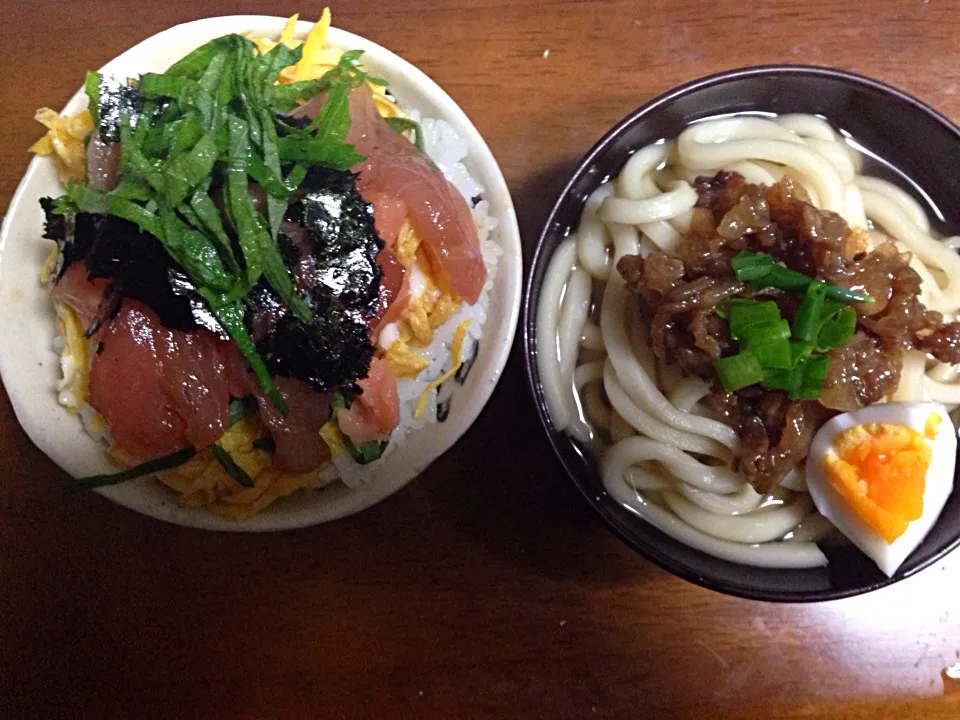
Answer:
(649, 550)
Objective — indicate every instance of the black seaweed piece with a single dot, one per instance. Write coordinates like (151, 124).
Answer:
(116, 98)
(475, 200)
(331, 351)
(466, 365)
(330, 244)
(443, 409)
(344, 242)
(116, 249)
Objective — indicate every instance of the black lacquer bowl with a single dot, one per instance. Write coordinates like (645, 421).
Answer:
(919, 148)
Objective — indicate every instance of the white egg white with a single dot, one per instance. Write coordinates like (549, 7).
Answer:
(939, 480)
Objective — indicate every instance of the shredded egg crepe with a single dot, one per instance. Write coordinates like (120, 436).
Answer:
(202, 481)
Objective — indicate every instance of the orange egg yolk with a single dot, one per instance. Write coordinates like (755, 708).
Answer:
(880, 471)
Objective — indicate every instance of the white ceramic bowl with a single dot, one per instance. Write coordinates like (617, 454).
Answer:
(30, 368)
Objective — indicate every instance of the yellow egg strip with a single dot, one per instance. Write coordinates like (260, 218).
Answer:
(74, 362)
(49, 263)
(312, 46)
(408, 242)
(64, 141)
(455, 362)
(403, 362)
(286, 35)
(330, 433)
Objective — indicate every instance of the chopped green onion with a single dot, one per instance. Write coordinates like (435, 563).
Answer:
(807, 322)
(760, 271)
(743, 313)
(837, 331)
(230, 466)
(738, 371)
(364, 452)
(149, 467)
(338, 401)
(808, 376)
(773, 354)
(778, 378)
(750, 267)
(764, 332)
(799, 350)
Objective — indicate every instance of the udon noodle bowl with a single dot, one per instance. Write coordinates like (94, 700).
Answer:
(632, 319)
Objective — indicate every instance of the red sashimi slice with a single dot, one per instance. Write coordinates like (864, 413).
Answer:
(394, 290)
(389, 214)
(376, 411)
(439, 214)
(83, 294)
(158, 389)
(296, 435)
(395, 308)
(235, 368)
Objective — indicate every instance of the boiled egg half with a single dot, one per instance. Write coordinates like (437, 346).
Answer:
(882, 475)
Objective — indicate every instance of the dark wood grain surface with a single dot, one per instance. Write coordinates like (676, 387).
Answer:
(486, 588)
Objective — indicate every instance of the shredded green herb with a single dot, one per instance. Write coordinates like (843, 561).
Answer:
(402, 125)
(207, 127)
(230, 466)
(149, 467)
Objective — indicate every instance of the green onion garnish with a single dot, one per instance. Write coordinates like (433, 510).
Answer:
(760, 270)
(808, 376)
(764, 332)
(836, 331)
(774, 354)
(738, 371)
(807, 322)
(743, 313)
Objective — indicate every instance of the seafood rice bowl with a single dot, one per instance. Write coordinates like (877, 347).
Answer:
(271, 269)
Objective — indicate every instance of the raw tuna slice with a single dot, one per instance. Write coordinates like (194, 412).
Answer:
(296, 435)
(394, 167)
(158, 389)
(376, 411)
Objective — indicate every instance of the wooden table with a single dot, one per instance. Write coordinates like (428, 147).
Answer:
(487, 588)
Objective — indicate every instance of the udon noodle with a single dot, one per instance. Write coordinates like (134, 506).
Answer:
(659, 454)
